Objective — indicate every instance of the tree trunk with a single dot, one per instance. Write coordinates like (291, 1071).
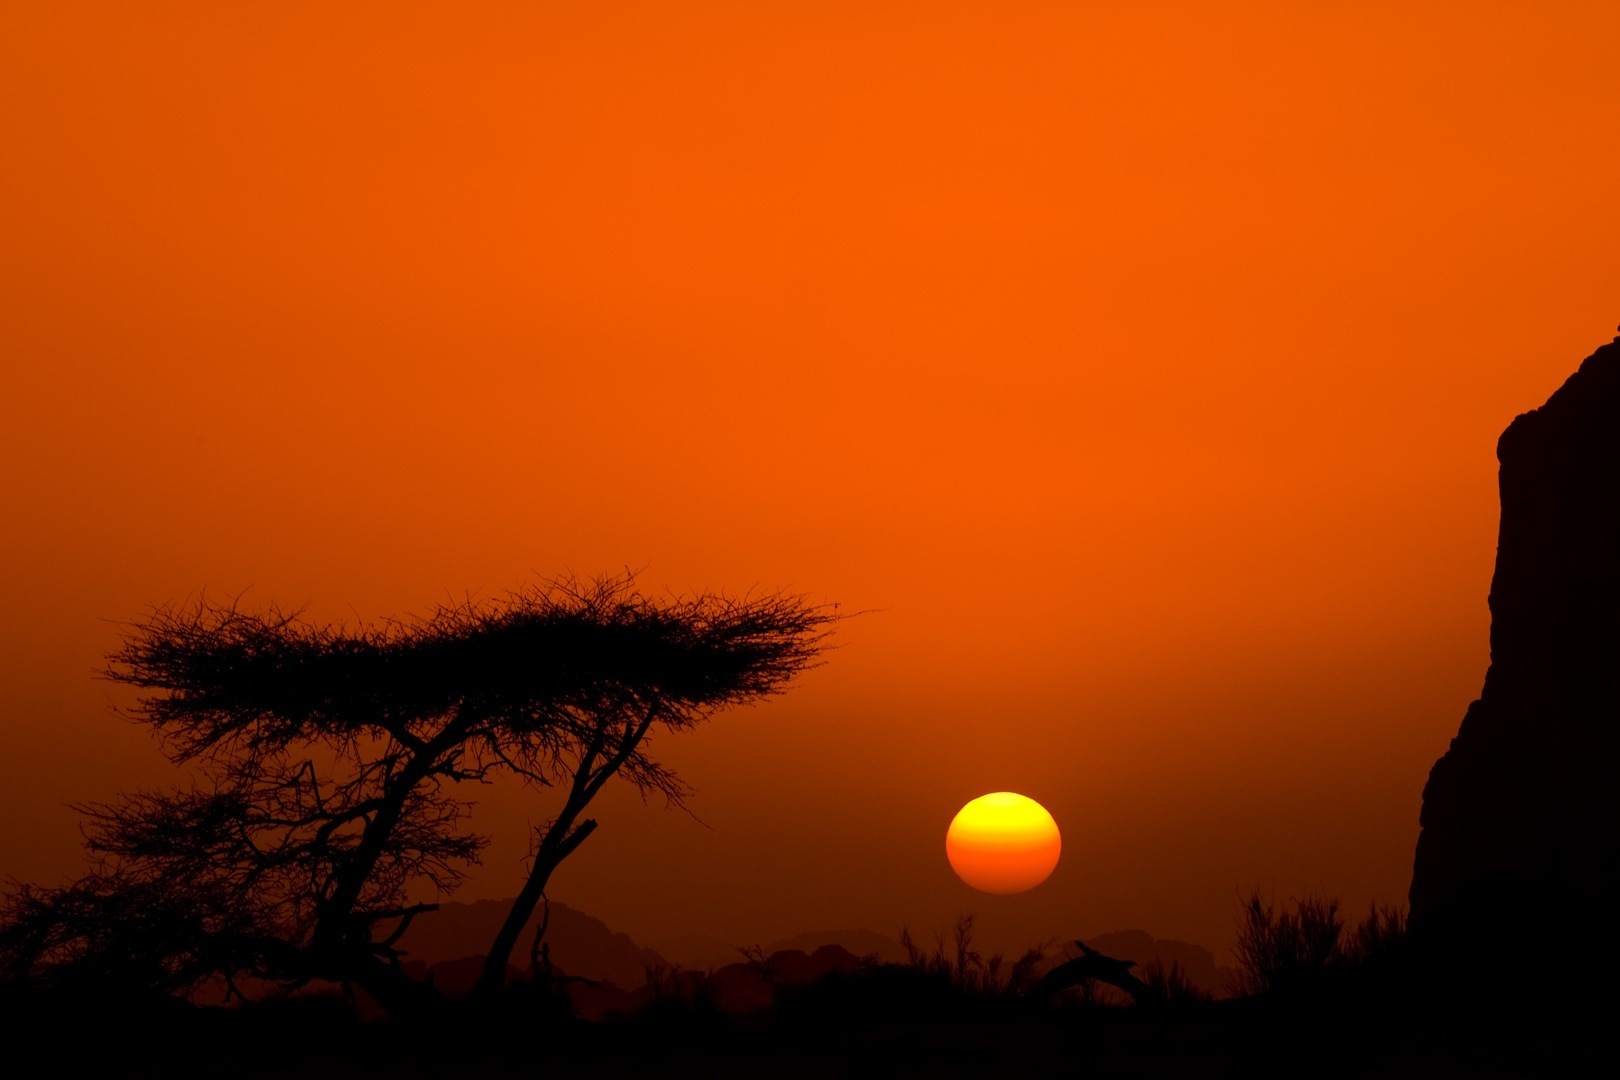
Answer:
(560, 841)
(546, 860)
(332, 925)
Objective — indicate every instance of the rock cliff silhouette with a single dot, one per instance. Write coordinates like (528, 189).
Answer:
(1521, 816)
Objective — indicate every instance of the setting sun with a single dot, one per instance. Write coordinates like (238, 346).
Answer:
(1003, 843)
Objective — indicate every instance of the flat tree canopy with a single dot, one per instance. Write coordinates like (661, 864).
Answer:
(332, 764)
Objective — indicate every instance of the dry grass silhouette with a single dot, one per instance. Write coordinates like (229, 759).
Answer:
(965, 969)
(1296, 948)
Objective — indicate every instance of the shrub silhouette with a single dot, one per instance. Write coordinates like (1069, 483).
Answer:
(673, 991)
(1378, 938)
(1167, 986)
(1287, 951)
(1284, 950)
(966, 971)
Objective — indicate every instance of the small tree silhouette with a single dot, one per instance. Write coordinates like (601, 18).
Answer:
(328, 762)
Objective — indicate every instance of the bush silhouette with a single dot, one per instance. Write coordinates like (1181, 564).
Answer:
(964, 969)
(1168, 987)
(1284, 950)
(1299, 949)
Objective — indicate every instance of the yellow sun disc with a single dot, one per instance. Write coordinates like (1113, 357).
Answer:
(1003, 843)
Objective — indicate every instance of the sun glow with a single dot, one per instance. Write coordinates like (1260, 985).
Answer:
(1003, 843)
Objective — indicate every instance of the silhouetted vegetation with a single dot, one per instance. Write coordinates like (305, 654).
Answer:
(1167, 986)
(1297, 949)
(966, 970)
(329, 764)
(1280, 951)
(947, 1010)
(1090, 969)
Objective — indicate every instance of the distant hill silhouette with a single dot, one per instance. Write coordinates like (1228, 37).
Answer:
(451, 941)
(856, 942)
(701, 951)
(741, 987)
(580, 945)
(712, 951)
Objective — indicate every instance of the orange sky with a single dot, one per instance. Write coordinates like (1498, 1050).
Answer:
(1141, 366)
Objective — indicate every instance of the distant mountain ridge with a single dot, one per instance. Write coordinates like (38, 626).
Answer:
(585, 946)
(861, 943)
(579, 943)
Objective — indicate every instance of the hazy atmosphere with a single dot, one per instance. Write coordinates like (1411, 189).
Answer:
(1134, 373)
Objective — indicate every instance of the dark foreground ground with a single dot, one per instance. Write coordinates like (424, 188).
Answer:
(874, 1023)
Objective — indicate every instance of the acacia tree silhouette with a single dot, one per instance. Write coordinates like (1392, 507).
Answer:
(327, 764)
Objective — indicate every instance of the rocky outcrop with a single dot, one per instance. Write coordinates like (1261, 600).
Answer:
(1521, 816)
